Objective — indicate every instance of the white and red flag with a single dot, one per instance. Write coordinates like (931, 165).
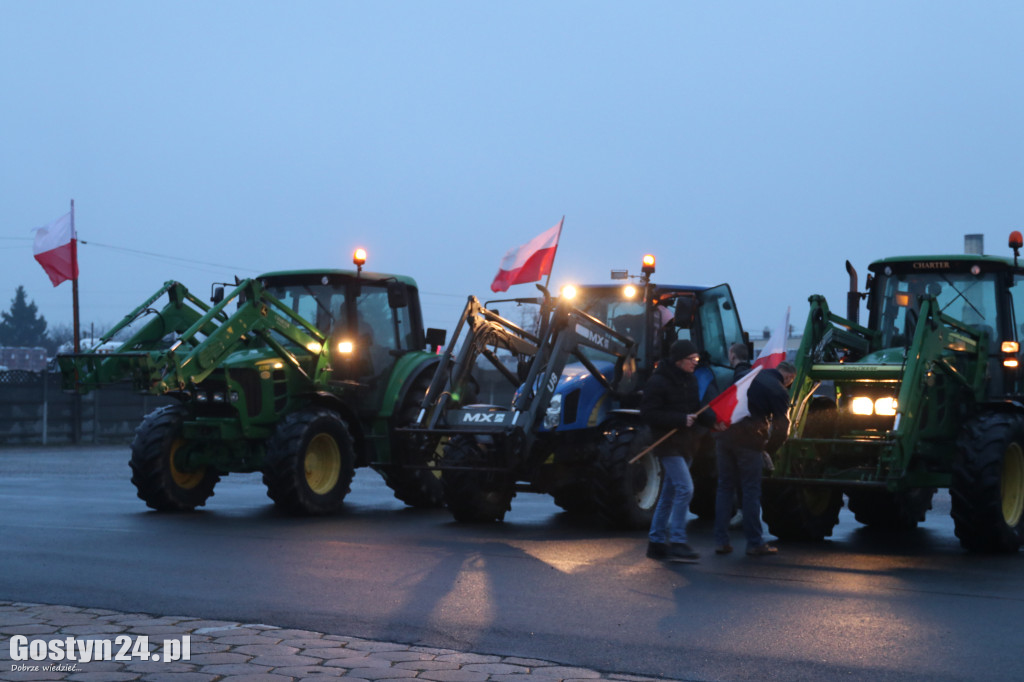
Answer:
(56, 249)
(730, 405)
(529, 262)
(774, 351)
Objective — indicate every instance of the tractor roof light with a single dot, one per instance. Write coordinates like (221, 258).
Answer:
(568, 292)
(629, 291)
(648, 265)
(359, 258)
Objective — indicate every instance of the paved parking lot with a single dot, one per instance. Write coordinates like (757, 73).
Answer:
(222, 650)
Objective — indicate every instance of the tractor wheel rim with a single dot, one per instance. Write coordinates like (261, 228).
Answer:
(183, 479)
(322, 464)
(647, 483)
(1013, 485)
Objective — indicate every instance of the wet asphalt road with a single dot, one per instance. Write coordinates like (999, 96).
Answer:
(860, 606)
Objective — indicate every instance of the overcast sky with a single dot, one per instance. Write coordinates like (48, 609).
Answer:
(761, 144)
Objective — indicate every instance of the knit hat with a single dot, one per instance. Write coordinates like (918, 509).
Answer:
(682, 349)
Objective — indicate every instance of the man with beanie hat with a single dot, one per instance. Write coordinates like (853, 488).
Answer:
(670, 403)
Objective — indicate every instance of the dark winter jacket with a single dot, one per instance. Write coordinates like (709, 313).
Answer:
(767, 427)
(671, 394)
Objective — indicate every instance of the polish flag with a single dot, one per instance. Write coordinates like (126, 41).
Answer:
(774, 351)
(56, 249)
(529, 262)
(730, 406)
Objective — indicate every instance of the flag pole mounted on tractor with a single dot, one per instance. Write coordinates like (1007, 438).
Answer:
(557, 239)
(74, 280)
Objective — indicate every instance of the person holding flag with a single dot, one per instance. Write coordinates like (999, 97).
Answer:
(755, 410)
(671, 407)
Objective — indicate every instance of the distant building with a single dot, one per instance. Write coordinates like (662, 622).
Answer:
(30, 359)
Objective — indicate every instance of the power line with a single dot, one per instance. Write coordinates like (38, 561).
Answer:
(166, 257)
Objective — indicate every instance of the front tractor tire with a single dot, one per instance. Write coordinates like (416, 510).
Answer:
(471, 494)
(797, 512)
(310, 463)
(987, 490)
(887, 511)
(625, 494)
(163, 481)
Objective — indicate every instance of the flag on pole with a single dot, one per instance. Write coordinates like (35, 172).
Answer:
(529, 262)
(730, 406)
(774, 351)
(56, 249)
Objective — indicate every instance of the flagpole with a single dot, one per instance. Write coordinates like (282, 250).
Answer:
(558, 239)
(74, 280)
(663, 438)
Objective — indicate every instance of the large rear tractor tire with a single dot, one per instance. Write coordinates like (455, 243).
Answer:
(987, 489)
(162, 480)
(795, 512)
(473, 495)
(310, 463)
(891, 511)
(625, 494)
(417, 487)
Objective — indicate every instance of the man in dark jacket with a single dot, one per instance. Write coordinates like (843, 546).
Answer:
(741, 457)
(670, 404)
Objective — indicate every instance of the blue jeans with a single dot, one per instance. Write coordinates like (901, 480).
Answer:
(743, 466)
(669, 522)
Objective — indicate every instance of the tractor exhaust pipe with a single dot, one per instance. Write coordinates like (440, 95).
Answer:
(853, 296)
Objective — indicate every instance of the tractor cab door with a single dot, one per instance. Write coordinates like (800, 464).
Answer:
(718, 327)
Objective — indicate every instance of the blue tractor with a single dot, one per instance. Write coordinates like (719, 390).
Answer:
(570, 426)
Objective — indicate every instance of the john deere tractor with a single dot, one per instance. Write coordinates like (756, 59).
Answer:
(928, 395)
(306, 379)
(570, 424)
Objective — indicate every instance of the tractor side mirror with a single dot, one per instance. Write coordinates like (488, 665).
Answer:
(436, 338)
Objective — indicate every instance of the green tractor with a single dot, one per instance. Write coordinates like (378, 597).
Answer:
(306, 380)
(928, 395)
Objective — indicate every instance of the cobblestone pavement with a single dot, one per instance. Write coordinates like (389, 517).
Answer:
(222, 650)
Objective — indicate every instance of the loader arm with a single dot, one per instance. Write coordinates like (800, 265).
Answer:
(205, 337)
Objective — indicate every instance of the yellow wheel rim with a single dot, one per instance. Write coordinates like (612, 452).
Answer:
(183, 479)
(322, 464)
(1013, 485)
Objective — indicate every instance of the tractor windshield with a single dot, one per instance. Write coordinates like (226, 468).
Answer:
(321, 304)
(965, 297)
(624, 315)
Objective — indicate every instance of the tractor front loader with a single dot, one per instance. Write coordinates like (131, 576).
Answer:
(573, 425)
(489, 452)
(928, 395)
(304, 381)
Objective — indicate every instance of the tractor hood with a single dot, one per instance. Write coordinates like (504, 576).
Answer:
(579, 401)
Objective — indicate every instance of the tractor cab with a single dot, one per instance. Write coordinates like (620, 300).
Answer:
(656, 315)
(984, 293)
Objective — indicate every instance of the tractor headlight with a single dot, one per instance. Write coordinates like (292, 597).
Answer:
(867, 406)
(553, 415)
